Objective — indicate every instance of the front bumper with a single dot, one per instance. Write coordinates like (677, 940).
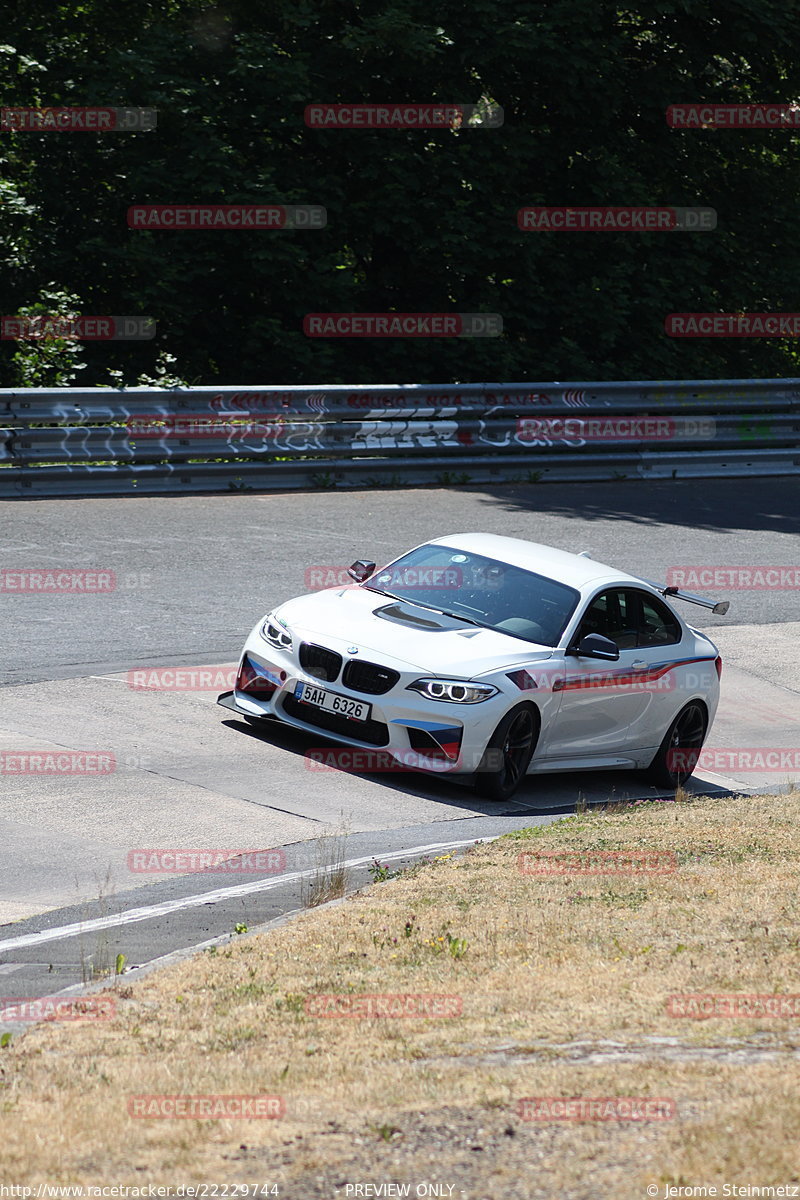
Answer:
(404, 727)
(228, 700)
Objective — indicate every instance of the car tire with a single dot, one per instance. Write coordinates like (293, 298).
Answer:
(508, 753)
(676, 757)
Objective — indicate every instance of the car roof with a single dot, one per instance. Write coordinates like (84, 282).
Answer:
(568, 568)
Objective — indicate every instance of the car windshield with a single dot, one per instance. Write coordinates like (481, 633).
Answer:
(482, 590)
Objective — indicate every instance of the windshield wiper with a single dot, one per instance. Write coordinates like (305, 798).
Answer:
(461, 617)
(446, 613)
(404, 599)
(381, 592)
(431, 607)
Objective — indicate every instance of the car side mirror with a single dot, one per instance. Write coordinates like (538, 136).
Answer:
(361, 570)
(594, 645)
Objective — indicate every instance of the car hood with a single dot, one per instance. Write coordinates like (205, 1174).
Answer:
(404, 636)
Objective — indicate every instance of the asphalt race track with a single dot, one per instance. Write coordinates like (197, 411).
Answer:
(193, 575)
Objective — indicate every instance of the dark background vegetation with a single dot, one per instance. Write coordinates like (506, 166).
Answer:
(417, 221)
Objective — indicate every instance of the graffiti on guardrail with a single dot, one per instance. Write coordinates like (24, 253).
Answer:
(250, 403)
(74, 441)
(81, 435)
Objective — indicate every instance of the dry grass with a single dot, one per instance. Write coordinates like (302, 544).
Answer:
(330, 878)
(540, 963)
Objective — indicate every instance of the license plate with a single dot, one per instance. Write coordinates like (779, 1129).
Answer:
(356, 710)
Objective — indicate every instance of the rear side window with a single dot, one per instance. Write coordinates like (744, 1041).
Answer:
(657, 625)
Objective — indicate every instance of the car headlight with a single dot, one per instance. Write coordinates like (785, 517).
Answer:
(454, 691)
(276, 632)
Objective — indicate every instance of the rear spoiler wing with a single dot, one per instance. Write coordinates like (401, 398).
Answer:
(720, 607)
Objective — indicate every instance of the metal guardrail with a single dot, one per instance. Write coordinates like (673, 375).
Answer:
(72, 442)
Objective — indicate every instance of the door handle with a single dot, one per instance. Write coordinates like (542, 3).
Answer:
(639, 664)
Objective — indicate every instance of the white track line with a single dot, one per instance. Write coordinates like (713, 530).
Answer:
(131, 915)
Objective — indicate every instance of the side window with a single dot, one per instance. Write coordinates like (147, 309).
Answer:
(632, 619)
(657, 625)
(612, 614)
(596, 618)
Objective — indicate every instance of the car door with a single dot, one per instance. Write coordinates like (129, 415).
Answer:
(608, 707)
(659, 648)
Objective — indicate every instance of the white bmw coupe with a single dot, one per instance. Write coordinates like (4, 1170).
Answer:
(493, 658)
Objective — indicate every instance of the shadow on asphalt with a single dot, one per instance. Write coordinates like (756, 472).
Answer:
(755, 504)
(564, 794)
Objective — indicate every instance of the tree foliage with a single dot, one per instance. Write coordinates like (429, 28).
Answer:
(417, 221)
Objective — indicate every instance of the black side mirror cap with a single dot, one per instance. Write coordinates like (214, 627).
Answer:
(594, 645)
(361, 570)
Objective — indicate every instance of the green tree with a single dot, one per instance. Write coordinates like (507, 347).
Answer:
(416, 221)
